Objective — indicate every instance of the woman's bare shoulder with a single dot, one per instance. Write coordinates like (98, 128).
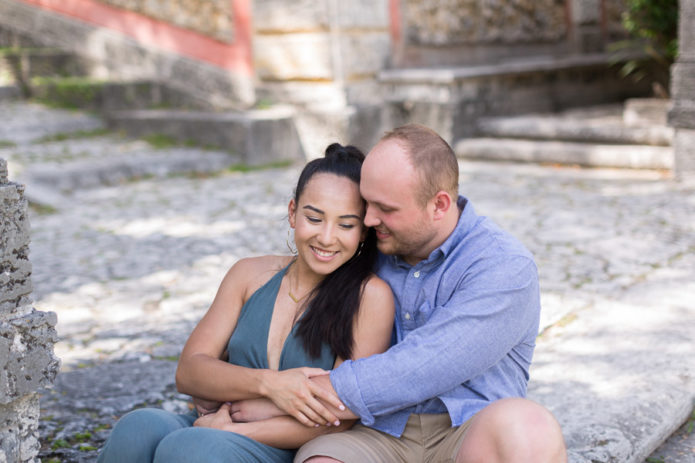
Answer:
(377, 298)
(255, 271)
(376, 288)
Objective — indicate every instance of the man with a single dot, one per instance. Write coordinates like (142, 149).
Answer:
(451, 388)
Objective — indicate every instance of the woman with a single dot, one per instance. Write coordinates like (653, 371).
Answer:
(281, 319)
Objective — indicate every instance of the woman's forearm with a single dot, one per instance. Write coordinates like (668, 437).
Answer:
(284, 431)
(203, 376)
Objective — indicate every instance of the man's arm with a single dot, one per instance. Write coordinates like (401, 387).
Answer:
(464, 337)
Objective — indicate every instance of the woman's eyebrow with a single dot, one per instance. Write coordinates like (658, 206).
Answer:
(319, 211)
(312, 208)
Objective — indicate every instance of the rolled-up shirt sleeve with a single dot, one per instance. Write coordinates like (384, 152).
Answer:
(494, 308)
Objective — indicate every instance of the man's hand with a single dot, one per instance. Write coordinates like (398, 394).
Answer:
(324, 382)
(294, 393)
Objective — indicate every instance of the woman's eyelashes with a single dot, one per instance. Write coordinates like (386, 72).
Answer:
(316, 220)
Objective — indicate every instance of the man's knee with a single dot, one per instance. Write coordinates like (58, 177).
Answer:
(514, 430)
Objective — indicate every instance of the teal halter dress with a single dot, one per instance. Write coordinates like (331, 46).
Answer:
(152, 435)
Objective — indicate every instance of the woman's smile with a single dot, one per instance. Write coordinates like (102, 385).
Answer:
(323, 254)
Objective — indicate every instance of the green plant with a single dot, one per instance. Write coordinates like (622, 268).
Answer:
(60, 444)
(652, 26)
(80, 134)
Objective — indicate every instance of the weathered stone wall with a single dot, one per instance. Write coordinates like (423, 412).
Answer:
(448, 22)
(27, 336)
(324, 56)
(472, 32)
(213, 18)
(682, 115)
(119, 57)
(334, 46)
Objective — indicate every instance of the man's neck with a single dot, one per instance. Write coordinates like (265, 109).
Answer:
(447, 228)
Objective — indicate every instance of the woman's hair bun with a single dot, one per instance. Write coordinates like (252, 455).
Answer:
(338, 151)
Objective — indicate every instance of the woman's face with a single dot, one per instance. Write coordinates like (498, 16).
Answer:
(327, 222)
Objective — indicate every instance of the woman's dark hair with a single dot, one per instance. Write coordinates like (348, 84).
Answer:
(333, 305)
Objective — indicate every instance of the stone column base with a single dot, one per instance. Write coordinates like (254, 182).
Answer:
(684, 154)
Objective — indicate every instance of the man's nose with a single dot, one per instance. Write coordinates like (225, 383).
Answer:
(370, 218)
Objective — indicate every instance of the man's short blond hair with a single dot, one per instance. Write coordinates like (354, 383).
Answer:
(431, 157)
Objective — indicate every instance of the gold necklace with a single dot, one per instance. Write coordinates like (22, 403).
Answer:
(292, 296)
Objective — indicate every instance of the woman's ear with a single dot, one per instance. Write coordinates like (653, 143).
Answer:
(291, 211)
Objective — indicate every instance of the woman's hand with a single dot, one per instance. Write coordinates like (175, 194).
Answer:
(221, 419)
(244, 411)
(293, 393)
(204, 406)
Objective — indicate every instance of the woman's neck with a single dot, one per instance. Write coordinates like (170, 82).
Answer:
(302, 280)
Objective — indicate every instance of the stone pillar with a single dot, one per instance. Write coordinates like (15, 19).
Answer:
(682, 114)
(586, 20)
(27, 336)
(323, 57)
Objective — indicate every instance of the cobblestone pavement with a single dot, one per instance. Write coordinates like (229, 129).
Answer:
(130, 268)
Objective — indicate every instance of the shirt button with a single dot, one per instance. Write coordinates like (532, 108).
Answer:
(407, 316)
(417, 274)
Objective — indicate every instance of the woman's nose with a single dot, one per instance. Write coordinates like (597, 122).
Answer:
(326, 235)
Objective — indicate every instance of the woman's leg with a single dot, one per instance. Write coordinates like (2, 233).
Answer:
(207, 445)
(136, 435)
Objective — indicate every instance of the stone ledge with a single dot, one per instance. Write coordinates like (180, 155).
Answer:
(76, 175)
(259, 137)
(619, 378)
(583, 154)
(553, 128)
(450, 75)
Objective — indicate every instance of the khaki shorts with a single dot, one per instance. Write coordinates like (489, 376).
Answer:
(426, 438)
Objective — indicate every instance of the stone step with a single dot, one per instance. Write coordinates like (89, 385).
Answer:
(24, 122)
(26, 63)
(9, 92)
(56, 169)
(561, 152)
(619, 374)
(103, 96)
(600, 130)
(259, 137)
(452, 99)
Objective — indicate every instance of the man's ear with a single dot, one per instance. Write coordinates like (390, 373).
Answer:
(442, 203)
(291, 212)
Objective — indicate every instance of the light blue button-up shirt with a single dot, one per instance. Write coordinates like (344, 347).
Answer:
(465, 328)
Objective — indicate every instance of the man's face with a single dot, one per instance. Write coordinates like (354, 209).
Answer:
(389, 185)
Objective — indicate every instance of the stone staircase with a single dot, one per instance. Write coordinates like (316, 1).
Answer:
(631, 135)
(256, 137)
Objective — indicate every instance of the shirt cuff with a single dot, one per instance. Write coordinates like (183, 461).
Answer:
(344, 381)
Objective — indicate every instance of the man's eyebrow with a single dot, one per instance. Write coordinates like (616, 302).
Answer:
(381, 205)
(319, 211)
